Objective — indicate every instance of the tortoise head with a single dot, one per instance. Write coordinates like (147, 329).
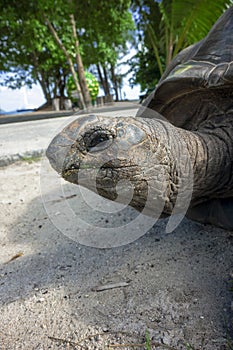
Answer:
(104, 154)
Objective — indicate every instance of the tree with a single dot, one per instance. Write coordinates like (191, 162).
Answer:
(184, 23)
(64, 32)
(29, 54)
(66, 38)
(145, 69)
(84, 97)
(104, 41)
(168, 26)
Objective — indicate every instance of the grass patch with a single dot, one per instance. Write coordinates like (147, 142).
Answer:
(189, 347)
(30, 159)
(229, 345)
(148, 343)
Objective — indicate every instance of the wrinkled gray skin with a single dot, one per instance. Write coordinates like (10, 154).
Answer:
(180, 144)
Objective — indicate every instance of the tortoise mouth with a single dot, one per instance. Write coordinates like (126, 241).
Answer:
(77, 169)
(102, 178)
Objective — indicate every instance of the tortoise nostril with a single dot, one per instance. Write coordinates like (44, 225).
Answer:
(57, 151)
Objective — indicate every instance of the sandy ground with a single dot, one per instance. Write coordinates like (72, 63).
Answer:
(175, 287)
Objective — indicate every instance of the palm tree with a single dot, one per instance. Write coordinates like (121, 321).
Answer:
(180, 23)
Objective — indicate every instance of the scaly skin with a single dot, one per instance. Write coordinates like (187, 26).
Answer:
(160, 160)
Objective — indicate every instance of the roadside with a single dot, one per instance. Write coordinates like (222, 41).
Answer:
(30, 138)
(175, 287)
(54, 291)
(38, 115)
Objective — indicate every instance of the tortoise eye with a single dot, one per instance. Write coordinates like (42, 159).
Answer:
(97, 140)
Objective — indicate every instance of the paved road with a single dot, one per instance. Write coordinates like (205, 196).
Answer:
(29, 116)
(31, 138)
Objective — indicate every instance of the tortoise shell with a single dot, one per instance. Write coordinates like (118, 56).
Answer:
(198, 84)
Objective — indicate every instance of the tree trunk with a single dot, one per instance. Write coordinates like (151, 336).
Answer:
(61, 87)
(55, 86)
(114, 81)
(41, 79)
(106, 81)
(101, 78)
(44, 88)
(69, 60)
(80, 67)
(120, 93)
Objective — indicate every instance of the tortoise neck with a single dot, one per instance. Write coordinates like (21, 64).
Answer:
(197, 165)
(212, 156)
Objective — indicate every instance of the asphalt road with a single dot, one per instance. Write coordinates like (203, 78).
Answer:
(30, 116)
(31, 138)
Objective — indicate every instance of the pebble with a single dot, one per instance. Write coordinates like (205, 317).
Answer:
(40, 300)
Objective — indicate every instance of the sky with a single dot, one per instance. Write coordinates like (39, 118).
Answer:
(25, 98)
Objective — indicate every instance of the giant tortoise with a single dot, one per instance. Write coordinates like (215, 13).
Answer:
(180, 143)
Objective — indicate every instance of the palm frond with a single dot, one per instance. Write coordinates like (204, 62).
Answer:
(154, 43)
(194, 18)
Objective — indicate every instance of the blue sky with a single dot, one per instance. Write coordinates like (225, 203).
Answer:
(25, 98)
(11, 100)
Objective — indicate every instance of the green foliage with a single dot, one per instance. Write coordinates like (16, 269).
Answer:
(110, 25)
(189, 347)
(145, 70)
(148, 344)
(29, 51)
(168, 26)
(92, 83)
(188, 21)
(31, 159)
